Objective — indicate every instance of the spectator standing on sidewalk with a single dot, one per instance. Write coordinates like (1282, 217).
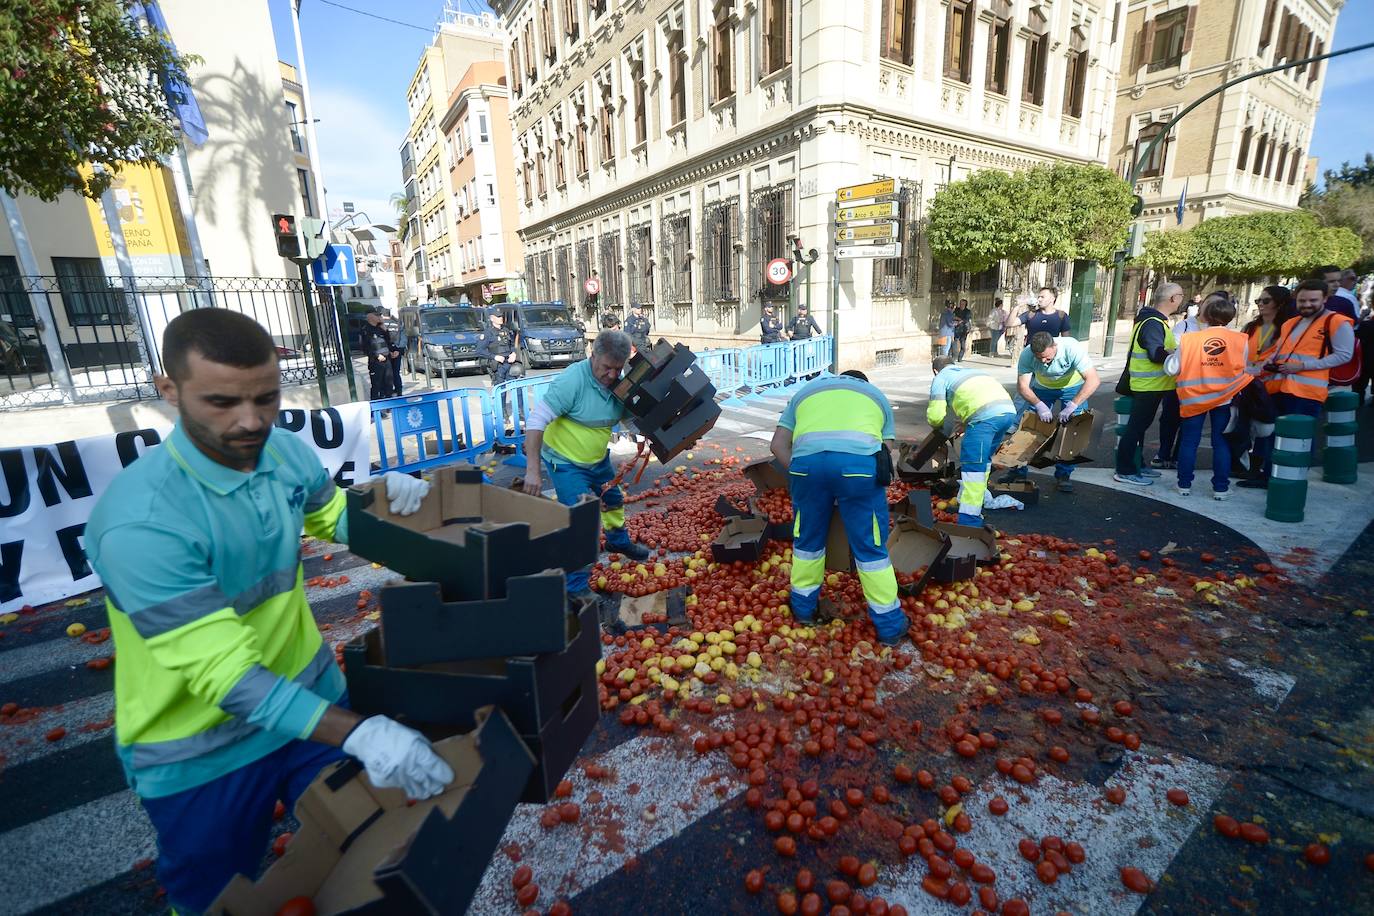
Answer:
(1011, 330)
(1152, 340)
(963, 323)
(1275, 306)
(1046, 315)
(1210, 368)
(997, 321)
(1338, 299)
(1055, 377)
(944, 337)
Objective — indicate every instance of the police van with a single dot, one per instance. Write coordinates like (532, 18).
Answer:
(443, 337)
(549, 335)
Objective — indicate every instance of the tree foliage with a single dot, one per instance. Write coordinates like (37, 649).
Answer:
(1347, 200)
(80, 82)
(1061, 211)
(1250, 246)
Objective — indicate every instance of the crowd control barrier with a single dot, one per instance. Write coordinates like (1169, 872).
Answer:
(767, 365)
(725, 369)
(810, 356)
(429, 430)
(511, 403)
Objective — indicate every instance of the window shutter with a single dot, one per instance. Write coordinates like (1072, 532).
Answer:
(1188, 30)
(990, 75)
(1028, 71)
(1316, 65)
(1267, 26)
(906, 31)
(1145, 37)
(885, 30)
(1293, 169)
(786, 11)
(949, 42)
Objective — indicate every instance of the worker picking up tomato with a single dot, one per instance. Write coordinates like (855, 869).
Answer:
(226, 697)
(961, 396)
(833, 438)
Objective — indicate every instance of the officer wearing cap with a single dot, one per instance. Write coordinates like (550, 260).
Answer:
(498, 347)
(381, 351)
(637, 327)
(770, 326)
(803, 325)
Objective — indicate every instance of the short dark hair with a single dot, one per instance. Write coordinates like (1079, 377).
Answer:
(855, 373)
(1316, 286)
(1322, 271)
(1219, 310)
(1041, 341)
(941, 362)
(219, 335)
(1053, 291)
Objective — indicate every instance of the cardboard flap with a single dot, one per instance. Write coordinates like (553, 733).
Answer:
(766, 473)
(741, 538)
(914, 546)
(970, 541)
(1027, 441)
(916, 506)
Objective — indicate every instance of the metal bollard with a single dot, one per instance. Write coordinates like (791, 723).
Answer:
(1292, 457)
(1123, 416)
(1339, 461)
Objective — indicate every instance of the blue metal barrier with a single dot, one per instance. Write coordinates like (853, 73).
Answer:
(460, 422)
(725, 369)
(767, 365)
(811, 356)
(513, 401)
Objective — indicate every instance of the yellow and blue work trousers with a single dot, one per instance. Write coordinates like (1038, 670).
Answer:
(981, 439)
(571, 482)
(819, 483)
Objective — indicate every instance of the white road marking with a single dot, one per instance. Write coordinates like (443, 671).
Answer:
(27, 742)
(51, 655)
(1271, 685)
(1146, 832)
(69, 852)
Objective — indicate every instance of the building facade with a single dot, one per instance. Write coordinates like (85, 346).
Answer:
(1242, 151)
(481, 170)
(460, 40)
(671, 148)
(300, 153)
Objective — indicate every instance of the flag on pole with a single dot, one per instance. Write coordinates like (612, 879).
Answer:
(179, 95)
(1182, 199)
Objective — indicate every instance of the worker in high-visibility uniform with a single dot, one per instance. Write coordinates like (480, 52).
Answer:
(1152, 340)
(967, 396)
(1055, 377)
(568, 434)
(1210, 366)
(227, 699)
(833, 440)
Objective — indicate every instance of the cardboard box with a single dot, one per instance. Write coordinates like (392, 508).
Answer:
(727, 509)
(915, 506)
(766, 474)
(913, 546)
(685, 393)
(1025, 442)
(649, 371)
(970, 541)
(1070, 442)
(360, 849)
(471, 537)
(419, 627)
(1027, 492)
(929, 460)
(740, 540)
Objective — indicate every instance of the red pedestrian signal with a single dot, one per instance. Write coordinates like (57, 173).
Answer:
(288, 239)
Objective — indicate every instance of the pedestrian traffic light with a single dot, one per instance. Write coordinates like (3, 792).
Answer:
(288, 238)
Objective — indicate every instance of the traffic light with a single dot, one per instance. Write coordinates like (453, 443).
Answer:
(288, 239)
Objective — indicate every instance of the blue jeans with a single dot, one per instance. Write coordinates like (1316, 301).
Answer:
(1057, 399)
(1190, 436)
(208, 834)
(949, 342)
(573, 481)
(981, 439)
(820, 483)
(996, 338)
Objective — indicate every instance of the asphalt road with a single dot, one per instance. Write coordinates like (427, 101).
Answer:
(1260, 708)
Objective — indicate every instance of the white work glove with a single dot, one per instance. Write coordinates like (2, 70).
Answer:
(397, 757)
(1042, 410)
(405, 493)
(1067, 412)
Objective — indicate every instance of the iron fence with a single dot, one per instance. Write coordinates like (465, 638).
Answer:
(109, 333)
(770, 223)
(720, 260)
(639, 271)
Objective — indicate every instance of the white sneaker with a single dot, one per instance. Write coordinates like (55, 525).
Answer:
(1184, 491)
(1220, 495)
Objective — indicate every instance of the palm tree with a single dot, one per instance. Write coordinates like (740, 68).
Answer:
(398, 200)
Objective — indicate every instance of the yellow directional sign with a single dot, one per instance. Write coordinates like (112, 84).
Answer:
(858, 233)
(871, 189)
(886, 210)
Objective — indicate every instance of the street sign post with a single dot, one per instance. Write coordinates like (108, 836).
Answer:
(869, 189)
(779, 271)
(335, 267)
(887, 250)
(886, 230)
(886, 210)
(592, 286)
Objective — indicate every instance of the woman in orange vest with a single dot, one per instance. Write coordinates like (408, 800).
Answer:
(1275, 306)
(1211, 369)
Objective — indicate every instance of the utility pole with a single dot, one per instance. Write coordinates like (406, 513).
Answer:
(1119, 267)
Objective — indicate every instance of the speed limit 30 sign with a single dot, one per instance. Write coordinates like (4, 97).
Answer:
(779, 271)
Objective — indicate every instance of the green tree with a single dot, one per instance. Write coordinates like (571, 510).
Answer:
(402, 207)
(1250, 246)
(1347, 200)
(80, 83)
(1048, 212)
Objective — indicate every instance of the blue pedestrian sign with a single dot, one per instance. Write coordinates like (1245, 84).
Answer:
(335, 267)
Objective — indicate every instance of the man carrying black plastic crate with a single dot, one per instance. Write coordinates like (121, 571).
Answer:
(568, 434)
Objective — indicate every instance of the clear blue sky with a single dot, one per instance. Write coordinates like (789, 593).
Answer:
(360, 67)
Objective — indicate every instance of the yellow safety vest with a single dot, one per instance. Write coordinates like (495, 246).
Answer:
(1147, 375)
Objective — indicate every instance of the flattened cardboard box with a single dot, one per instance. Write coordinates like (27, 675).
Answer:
(1028, 440)
(914, 546)
(472, 537)
(364, 850)
(419, 627)
(740, 540)
(1070, 442)
(1024, 490)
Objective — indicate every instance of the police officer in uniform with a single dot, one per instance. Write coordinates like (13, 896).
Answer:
(637, 328)
(380, 350)
(498, 347)
(803, 326)
(770, 326)
(610, 321)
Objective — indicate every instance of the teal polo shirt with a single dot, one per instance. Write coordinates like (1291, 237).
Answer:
(1070, 361)
(220, 661)
(585, 411)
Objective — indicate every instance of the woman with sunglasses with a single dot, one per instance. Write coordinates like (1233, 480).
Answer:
(1275, 305)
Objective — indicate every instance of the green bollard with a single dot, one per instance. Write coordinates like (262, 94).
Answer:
(1292, 457)
(1339, 461)
(1123, 416)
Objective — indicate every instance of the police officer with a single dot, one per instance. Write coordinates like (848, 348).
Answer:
(803, 326)
(978, 402)
(770, 326)
(498, 347)
(381, 351)
(832, 438)
(637, 327)
(610, 321)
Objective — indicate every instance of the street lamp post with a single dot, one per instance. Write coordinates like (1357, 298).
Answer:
(1120, 259)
